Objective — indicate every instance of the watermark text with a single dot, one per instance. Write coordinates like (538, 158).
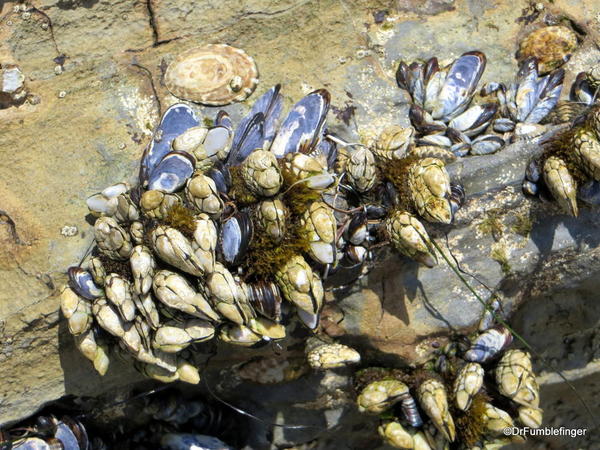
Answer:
(546, 431)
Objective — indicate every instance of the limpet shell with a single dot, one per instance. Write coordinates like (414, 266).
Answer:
(552, 46)
(214, 75)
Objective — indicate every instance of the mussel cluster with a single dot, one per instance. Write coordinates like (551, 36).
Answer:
(167, 420)
(466, 397)
(48, 432)
(228, 230)
(453, 119)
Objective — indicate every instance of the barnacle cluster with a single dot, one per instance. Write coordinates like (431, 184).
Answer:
(228, 231)
(467, 395)
(409, 185)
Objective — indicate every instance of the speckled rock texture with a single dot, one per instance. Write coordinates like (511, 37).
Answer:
(93, 69)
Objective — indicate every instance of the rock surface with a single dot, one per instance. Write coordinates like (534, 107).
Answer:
(93, 73)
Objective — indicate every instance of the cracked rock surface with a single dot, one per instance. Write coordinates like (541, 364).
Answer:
(93, 72)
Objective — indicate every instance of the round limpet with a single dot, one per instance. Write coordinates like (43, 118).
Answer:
(214, 75)
(552, 46)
